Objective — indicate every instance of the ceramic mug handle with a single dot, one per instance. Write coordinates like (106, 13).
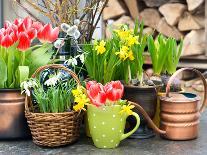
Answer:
(124, 136)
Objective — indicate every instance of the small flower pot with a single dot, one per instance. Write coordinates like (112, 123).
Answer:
(147, 98)
(12, 119)
(107, 125)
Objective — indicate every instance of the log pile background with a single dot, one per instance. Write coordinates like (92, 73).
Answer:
(173, 18)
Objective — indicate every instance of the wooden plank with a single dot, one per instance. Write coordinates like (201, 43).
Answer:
(133, 8)
(206, 25)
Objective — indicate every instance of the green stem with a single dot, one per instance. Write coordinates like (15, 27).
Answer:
(129, 72)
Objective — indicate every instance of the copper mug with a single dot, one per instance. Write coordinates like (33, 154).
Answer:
(179, 112)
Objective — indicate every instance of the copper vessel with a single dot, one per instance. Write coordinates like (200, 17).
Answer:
(180, 112)
(12, 118)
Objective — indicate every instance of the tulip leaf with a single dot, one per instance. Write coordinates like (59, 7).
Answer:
(23, 73)
(3, 72)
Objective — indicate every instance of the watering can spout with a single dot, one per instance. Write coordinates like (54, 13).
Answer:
(146, 116)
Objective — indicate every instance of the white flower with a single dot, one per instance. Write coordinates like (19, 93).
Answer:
(73, 32)
(76, 34)
(26, 85)
(82, 58)
(52, 81)
(72, 62)
(59, 43)
(65, 27)
(77, 22)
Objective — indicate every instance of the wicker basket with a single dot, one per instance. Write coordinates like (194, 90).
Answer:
(53, 129)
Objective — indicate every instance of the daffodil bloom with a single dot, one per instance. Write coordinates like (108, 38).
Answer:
(127, 109)
(79, 106)
(123, 33)
(131, 40)
(80, 98)
(130, 55)
(101, 47)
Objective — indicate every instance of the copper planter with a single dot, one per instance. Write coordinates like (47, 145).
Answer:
(180, 112)
(12, 118)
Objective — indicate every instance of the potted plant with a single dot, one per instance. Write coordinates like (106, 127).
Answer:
(164, 63)
(131, 45)
(19, 57)
(107, 113)
(49, 107)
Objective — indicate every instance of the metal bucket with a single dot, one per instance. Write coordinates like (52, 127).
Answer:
(12, 118)
(180, 112)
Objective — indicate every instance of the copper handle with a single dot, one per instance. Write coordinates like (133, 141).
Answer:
(146, 116)
(54, 66)
(199, 74)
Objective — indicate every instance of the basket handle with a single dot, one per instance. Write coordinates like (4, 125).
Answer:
(57, 66)
(54, 66)
(201, 77)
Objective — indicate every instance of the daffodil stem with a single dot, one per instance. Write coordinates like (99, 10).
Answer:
(129, 72)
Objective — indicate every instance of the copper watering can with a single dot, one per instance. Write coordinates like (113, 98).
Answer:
(179, 112)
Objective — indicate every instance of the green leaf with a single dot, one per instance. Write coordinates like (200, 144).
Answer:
(23, 72)
(3, 72)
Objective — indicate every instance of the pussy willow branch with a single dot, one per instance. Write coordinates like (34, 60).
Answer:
(66, 11)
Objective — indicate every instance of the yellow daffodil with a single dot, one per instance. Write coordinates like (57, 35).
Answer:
(100, 48)
(127, 109)
(131, 40)
(123, 33)
(131, 55)
(123, 53)
(80, 98)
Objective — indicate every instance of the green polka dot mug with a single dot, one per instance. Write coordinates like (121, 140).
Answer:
(107, 124)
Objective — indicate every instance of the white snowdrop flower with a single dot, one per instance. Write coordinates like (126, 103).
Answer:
(82, 58)
(77, 22)
(59, 43)
(65, 27)
(51, 81)
(72, 30)
(72, 62)
(26, 85)
(76, 34)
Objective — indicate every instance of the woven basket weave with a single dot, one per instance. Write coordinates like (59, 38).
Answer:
(53, 129)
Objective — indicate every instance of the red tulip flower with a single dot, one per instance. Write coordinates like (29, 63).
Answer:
(88, 84)
(96, 93)
(48, 34)
(114, 90)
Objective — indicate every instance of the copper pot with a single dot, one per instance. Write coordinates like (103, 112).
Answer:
(179, 112)
(12, 118)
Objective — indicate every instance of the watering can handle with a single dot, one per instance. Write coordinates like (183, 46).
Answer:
(146, 116)
(199, 74)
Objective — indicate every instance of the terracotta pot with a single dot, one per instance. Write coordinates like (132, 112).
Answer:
(12, 118)
(147, 98)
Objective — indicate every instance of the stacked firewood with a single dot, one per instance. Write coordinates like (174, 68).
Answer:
(181, 19)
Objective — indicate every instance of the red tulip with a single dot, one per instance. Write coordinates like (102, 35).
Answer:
(96, 94)
(27, 22)
(48, 34)
(37, 25)
(114, 90)
(21, 28)
(24, 41)
(1, 37)
(32, 33)
(6, 24)
(88, 84)
(16, 21)
(6, 41)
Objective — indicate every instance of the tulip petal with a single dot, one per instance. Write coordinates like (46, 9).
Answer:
(24, 41)
(7, 24)
(7, 41)
(27, 22)
(54, 34)
(16, 22)
(88, 84)
(38, 26)
(32, 33)
(21, 28)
